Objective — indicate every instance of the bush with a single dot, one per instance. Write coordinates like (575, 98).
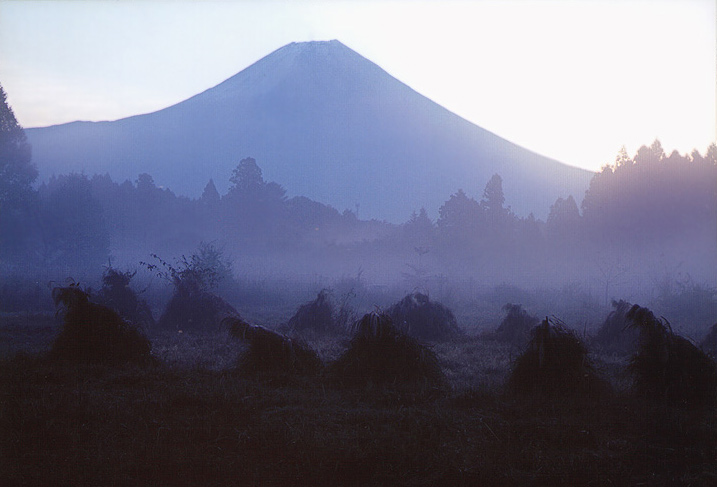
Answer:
(93, 333)
(381, 354)
(270, 354)
(117, 295)
(555, 363)
(616, 335)
(515, 327)
(667, 366)
(424, 319)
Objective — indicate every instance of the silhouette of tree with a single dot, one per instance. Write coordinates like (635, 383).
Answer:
(652, 197)
(419, 230)
(459, 214)
(17, 173)
(210, 195)
(145, 183)
(18, 199)
(493, 198)
(711, 154)
(75, 232)
(257, 208)
(564, 220)
(246, 177)
(650, 155)
(623, 159)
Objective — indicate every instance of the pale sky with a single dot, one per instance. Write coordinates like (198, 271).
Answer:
(571, 80)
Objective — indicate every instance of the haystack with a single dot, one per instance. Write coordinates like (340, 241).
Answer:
(195, 311)
(117, 295)
(667, 366)
(515, 327)
(381, 354)
(93, 333)
(555, 363)
(193, 305)
(616, 335)
(270, 354)
(424, 319)
(316, 317)
(709, 343)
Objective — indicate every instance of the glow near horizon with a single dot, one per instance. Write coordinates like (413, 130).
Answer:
(574, 81)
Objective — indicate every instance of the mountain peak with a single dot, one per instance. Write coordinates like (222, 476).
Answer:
(331, 42)
(317, 50)
(324, 122)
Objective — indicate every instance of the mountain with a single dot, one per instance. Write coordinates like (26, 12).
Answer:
(323, 122)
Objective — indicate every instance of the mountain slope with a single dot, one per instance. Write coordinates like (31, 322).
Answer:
(323, 122)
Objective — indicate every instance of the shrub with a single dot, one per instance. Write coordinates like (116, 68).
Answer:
(667, 366)
(381, 354)
(616, 335)
(515, 327)
(93, 333)
(270, 354)
(554, 363)
(424, 319)
(117, 295)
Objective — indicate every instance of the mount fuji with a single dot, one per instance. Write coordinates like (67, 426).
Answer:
(325, 123)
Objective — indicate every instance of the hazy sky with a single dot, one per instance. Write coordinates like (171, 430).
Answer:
(572, 80)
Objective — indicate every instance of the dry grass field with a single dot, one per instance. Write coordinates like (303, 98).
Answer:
(192, 418)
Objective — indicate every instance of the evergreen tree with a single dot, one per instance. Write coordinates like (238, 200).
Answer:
(493, 198)
(459, 214)
(210, 195)
(17, 173)
(563, 220)
(623, 159)
(18, 199)
(711, 154)
(75, 232)
(246, 177)
(418, 231)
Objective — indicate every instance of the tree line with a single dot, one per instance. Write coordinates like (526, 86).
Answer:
(76, 221)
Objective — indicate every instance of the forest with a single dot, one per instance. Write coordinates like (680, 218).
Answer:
(255, 338)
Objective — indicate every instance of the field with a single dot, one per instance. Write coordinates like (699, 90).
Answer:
(192, 418)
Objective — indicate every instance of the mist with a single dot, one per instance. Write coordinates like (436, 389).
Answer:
(646, 232)
(390, 295)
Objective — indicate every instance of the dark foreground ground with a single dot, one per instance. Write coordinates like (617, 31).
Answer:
(192, 420)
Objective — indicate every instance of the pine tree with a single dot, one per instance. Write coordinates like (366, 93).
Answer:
(493, 198)
(210, 195)
(17, 173)
(247, 177)
(18, 199)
